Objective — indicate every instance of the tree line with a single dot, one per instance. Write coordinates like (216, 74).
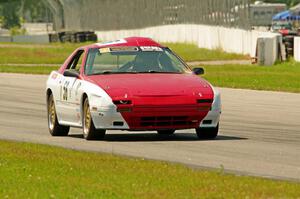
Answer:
(14, 12)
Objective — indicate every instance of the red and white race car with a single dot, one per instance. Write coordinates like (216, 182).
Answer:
(132, 84)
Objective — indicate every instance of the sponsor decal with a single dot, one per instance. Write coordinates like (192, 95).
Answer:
(101, 114)
(54, 76)
(77, 88)
(124, 49)
(151, 48)
(118, 49)
(104, 50)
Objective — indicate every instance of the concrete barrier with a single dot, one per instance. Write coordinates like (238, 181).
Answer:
(5, 38)
(37, 28)
(297, 49)
(210, 37)
(38, 39)
(267, 50)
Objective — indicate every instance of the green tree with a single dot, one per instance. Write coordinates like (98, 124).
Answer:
(30, 10)
(9, 12)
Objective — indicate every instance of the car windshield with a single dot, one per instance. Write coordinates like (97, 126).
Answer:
(115, 60)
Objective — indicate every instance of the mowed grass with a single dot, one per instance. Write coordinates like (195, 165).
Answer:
(28, 69)
(57, 53)
(38, 171)
(191, 52)
(281, 77)
(36, 53)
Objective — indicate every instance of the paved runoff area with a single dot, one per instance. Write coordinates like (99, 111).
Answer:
(259, 135)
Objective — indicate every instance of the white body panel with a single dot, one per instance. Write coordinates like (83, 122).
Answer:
(68, 97)
(215, 112)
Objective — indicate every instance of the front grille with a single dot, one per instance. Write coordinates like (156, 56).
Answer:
(162, 121)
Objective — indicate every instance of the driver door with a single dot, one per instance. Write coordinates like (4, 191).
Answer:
(70, 102)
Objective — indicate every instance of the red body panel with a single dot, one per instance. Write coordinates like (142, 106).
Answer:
(152, 85)
(131, 41)
(159, 101)
(284, 31)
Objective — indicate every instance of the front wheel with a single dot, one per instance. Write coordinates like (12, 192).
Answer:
(54, 127)
(89, 130)
(207, 133)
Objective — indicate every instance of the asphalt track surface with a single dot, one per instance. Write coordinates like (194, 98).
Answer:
(259, 135)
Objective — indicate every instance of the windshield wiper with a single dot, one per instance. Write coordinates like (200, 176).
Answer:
(154, 71)
(112, 72)
(108, 72)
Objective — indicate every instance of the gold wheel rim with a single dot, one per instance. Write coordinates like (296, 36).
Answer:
(87, 118)
(51, 112)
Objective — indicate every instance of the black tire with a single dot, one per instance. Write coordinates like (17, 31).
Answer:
(289, 45)
(166, 132)
(55, 129)
(207, 133)
(289, 38)
(88, 128)
(290, 51)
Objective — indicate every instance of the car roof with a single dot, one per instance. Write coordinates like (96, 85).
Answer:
(129, 41)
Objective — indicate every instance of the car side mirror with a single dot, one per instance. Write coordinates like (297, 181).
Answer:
(71, 73)
(198, 71)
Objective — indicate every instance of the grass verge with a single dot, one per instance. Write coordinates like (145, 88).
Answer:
(27, 69)
(38, 171)
(57, 53)
(281, 77)
(36, 53)
(191, 52)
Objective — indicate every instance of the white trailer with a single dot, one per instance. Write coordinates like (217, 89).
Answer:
(261, 13)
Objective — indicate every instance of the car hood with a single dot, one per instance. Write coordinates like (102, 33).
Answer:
(120, 86)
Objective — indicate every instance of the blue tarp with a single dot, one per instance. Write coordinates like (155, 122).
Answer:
(285, 15)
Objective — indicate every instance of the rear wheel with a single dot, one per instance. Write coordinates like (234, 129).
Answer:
(89, 130)
(166, 132)
(207, 133)
(54, 127)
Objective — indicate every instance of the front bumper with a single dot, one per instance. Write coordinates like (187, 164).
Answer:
(211, 120)
(106, 118)
(158, 117)
(151, 117)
